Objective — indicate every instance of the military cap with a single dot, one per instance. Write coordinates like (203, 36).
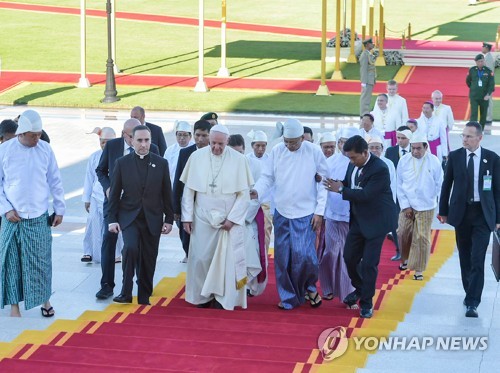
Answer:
(366, 41)
(209, 116)
(487, 45)
(479, 57)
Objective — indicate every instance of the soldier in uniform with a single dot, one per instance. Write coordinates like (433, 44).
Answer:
(368, 75)
(481, 84)
(489, 61)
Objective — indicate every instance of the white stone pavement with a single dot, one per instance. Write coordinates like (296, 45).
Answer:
(436, 311)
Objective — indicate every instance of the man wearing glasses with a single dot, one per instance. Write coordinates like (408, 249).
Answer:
(113, 150)
(184, 139)
(470, 201)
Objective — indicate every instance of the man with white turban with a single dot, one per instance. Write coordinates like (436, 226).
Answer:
(327, 143)
(184, 139)
(217, 180)
(300, 205)
(28, 176)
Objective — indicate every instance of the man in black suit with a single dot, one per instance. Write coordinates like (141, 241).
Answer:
(367, 186)
(394, 153)
(472, 177)
(140, 206)
(113, 150)
(201, 139)
(157, 136)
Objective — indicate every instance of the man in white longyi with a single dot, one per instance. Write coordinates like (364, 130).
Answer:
(214, 205)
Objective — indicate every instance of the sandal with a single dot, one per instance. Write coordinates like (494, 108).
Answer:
(47, 312)
(315, 301)
(328, 297)
(403, 266)
(418, 277)
(86, 258)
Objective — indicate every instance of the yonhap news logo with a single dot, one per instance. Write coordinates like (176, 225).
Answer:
(333, 343)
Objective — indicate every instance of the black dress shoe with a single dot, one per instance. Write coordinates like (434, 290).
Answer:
(351, 299)
(396, 257)
(104, 293)
(122, 299)
(204, 305)
(217, 305)
(471, 312)
(366, 313)
(390, 237)
(145, 302)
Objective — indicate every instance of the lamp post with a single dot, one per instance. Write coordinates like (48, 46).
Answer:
(323, 88)
(223, 71)
(201, 86)
(352, 55)
(380, 61)
(337, 74)
(83, 82)
(110, 90)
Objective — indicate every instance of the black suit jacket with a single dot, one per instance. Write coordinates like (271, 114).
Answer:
(157, 137)
(154, 200)
(392, 153)
(455, 177)
(112, 151)
(184, 155)
(372, 204)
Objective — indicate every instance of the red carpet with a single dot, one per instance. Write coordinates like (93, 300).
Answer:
(177, 336)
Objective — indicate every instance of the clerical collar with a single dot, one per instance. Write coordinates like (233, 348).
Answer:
(140, 156)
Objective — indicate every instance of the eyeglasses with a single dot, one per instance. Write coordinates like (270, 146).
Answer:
(183, 134)
(375, 148)
(127, 134)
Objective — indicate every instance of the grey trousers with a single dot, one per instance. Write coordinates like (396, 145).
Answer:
(365, 99)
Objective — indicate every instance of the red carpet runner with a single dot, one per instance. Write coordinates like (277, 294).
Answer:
(175, 336)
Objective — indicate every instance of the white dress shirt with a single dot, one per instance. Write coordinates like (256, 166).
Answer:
(293, 175)
(28, 176)
(477, 163)
(336, 208)
(126, 148)
(419, 182)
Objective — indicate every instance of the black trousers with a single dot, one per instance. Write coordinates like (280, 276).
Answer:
(140, 251)
(473, 237)
(108, 250)
(184, 236)
(362, 256)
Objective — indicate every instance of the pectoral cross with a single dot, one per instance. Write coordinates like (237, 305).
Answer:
(212, 185)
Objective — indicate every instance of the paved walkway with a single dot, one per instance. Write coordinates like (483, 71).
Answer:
(436, 311)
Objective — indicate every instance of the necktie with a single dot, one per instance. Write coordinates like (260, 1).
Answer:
(356, 177)
(470, 178)
(130, 149)
(404, 151)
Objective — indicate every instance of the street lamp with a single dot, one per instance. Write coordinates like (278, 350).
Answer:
(110, 90)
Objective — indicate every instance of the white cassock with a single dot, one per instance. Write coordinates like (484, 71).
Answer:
(392, 174)
(172, 155)
(398, 105)
(445, 114)
(216, 189)
(386, 122)
(252, 250)
(93, 194)
(436, 135)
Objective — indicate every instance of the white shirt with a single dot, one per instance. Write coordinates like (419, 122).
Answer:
(477, 163)
(392, 174)
(371, 133)
(28, 175)
(398, 105)
(355, 170)
(293, 175)
(91, 185)
(172, 156)
(408, 150)
(336, 208)
(419, 182)
(445, 114)
(126, 148)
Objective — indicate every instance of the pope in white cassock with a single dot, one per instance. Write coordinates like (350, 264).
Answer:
(214, 206)
(300, 205)
(183, 139)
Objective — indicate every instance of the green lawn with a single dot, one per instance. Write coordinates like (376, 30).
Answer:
(178, 99)
(443, 20)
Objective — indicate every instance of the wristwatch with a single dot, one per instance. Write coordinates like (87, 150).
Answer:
(341, 188)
